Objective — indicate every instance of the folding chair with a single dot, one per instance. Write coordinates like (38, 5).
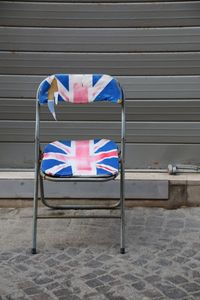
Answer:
(79, 160)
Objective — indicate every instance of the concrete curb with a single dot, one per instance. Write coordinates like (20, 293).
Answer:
(152, 189)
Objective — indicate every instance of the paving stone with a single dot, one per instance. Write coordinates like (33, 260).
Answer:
(161, 263)
(63, 268)
(104, 257)
(154, 221)
(89, 276)
(53, 285)
(175, 293)
(66, 283)
(62, 292)
(74, 263)
(106, 278)
(181, 259)
(130, 277)
(190, 223)
(170, 252)
(50, 272)
(152, 293)
(152, 278)
(117, 272)
(32, 290)
(177, 223)
(196, 295)
(197, 258)
(41, 296)
(117, 298)
(164, 287)
(178, 244)
(42, 279)
(51, 262)
(99, 272)
(93, 264)
(196, 273)
(6, 256)
(70, 297)
(140, 262)
(19, 258)
(193, 265)
(25, 284)
(63, 257)
(103, 289)
(17, 295)
(140, 285)
(175, 214)
(94, 283)
(189, 252)
(73, 251)
(115, 282)
(94, 296)
(176, 279)
(191, 287)
(21, 267)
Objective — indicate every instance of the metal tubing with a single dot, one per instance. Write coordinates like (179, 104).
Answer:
(69, 206)
(37, 163)
(79, 217)
(87, 207)
(122, 191)
(65, 207)
(77, 179)
(181, 168)
(35, 210)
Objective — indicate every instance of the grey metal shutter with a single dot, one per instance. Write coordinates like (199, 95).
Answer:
(152, 47)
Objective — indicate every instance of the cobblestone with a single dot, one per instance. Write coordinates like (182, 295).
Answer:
(80, 260)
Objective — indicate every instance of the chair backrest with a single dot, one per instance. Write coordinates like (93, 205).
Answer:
(78, 89)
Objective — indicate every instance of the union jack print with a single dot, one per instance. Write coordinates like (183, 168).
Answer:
(90, 158)
(78, 88)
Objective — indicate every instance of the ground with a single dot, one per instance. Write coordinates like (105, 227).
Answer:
(79, 259)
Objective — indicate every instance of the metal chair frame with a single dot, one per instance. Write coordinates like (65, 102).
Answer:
(39, 178)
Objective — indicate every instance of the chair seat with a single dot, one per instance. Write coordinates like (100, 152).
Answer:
(81, 158)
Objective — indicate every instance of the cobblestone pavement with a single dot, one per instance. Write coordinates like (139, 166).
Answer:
(79, 259)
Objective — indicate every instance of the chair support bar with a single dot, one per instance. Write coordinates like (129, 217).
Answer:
(76, 207)
(89, 207)
(78, 217)
(78, 179)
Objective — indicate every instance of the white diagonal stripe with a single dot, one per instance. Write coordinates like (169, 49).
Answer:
(100, 144)
(63, 91)
(100, 85)
(56, 169)
(61, 146)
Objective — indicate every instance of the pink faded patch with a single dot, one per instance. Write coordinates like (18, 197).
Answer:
(84, 159)
(80, 93)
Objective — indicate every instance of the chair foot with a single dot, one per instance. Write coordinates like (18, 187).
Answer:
(122, 250)
(33, 251)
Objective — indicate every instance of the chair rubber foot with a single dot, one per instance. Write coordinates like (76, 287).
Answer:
(122, 250)
(33, 251)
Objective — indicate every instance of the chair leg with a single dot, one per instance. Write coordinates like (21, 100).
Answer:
(35, 211)
(122, 245)
(122, 214)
